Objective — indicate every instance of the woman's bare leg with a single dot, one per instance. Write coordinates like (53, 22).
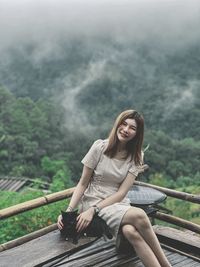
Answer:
(138, 218)
(142, 249)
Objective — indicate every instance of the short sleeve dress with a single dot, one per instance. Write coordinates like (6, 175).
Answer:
(108, 175)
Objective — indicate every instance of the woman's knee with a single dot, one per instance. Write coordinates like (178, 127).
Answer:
(136, 217)
(130, 232)
(142, 219)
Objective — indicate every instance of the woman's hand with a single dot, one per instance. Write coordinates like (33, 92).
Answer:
(143, 168)
(84, 219)
(59, 222)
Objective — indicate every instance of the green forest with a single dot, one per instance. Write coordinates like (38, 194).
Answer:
(51, 111)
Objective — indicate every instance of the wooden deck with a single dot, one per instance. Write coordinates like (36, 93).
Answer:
(50, 251)
(46, 248)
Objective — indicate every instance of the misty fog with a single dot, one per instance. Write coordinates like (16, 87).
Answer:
(110, 34)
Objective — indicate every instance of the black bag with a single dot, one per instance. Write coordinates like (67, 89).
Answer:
(96, 228)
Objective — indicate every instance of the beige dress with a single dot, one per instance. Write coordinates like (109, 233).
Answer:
(108, 174)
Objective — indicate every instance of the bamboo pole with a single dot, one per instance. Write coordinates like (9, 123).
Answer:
(35, 203)
(28, 237)
(173, 193)
(177, 221)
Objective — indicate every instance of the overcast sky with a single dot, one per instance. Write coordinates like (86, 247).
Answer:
(168, 21)
(166, 25)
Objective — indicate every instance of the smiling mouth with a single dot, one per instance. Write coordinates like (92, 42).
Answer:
(123, 135)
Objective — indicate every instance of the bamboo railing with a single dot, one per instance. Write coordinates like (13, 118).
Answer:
(170, 218)
(35, 203)
(51, 198)
(173, 193)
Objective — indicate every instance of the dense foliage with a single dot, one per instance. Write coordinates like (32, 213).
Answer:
(33, 140)
(35, 219)
(30, 221)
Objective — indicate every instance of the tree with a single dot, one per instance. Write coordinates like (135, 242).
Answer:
(58, 172)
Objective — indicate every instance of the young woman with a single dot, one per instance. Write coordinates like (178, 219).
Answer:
(110, 168)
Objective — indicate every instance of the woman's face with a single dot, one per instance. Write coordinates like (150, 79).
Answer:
(127, 130)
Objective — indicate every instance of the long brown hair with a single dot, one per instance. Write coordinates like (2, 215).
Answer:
(134, 146)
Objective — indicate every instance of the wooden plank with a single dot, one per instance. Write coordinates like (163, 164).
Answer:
(176, 260)
(7, 185)
(3, 183)
(139, 264)
(21, 240)
(114, 260)
(187, 237)
(119, 259)
(38, 250)
(134, 263)
(100, 253)
(194, 264)
(11, 185)
(125, 260)
(50, 249)
(17, 185)
(185, 263)
(187, 254)
(93, 260)
(81, 257)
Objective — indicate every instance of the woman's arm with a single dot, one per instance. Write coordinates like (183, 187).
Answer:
(81, 187)
(78, 192)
